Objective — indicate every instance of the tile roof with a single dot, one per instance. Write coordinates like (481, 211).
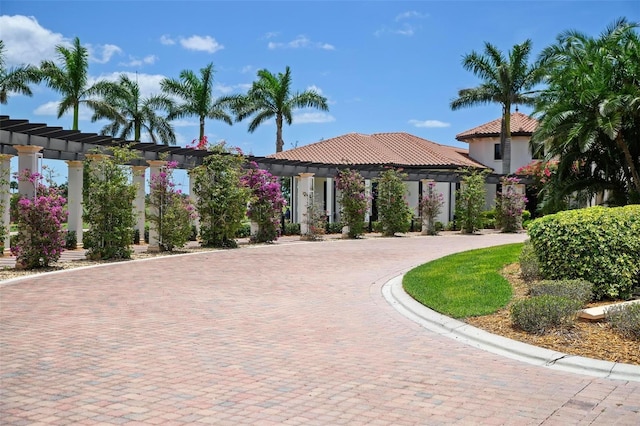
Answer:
(380, 148)
(521, 125)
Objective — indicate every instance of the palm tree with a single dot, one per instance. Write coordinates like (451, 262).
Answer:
(70, 79)
(130, 113)
(590, 112)
(270, 96)
(506, 81)
(197, 96)
(16, 79)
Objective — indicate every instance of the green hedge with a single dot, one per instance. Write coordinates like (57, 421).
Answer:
(597, 244)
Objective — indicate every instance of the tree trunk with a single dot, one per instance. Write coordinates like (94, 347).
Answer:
(279, 141)
(201, 129)
(506, 149)
(76, 113)
(632, 167)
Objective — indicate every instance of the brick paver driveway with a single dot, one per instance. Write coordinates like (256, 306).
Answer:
(288, 334)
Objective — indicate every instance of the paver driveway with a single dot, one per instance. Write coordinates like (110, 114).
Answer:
(288, 334)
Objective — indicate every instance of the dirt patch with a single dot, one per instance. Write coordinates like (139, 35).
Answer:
(586, 338)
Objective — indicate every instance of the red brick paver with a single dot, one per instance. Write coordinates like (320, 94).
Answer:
(293, 334)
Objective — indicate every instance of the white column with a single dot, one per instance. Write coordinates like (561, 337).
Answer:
(367, 194)
(5, 198)
(305, 200)
(27, 159)
(194, 198)
(330, 199)
(74, 201)
(154, 243)
(138, 203)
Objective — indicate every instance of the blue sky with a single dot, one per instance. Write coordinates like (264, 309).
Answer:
(386, 66)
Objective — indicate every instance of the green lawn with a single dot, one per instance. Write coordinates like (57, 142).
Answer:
(464, 284)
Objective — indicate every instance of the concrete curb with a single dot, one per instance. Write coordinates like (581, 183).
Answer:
(394, 293)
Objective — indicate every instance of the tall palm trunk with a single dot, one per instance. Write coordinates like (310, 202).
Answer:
(506, 149)
(279, 141)
(137, 130)
(76, 113)
(201, 128)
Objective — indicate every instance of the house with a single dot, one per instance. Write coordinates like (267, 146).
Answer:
(424, 160)
(484, 147)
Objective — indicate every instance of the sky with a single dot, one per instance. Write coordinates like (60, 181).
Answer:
(384, 66)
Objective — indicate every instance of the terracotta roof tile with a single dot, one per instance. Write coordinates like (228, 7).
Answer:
(380, 148)
(521, 125)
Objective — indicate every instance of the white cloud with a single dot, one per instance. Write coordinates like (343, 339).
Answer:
(271, 34)
(167, 40)
(300, 42)
(312, 117)
(405, 29)
(26, 41)
(102, 53)
(51, 109)
(136, 62)
(429, 123)
(184, 123)
(199, 43)
(410, 14)
(247, 69)
(222, 89)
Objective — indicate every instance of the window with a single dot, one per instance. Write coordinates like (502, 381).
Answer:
(497, 152)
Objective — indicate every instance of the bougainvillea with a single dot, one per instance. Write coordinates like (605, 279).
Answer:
(430, 207)
(510, 203)
(265, 204)
(540, 171)
(353, 200)
(172, 212)
(40, 236)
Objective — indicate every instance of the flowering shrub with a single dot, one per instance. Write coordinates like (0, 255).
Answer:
(395, 214)
(108, 199)
(266, 203)
(202, 144)
(540, 171)
(221, 198)
(353, 201)
(430, 207)
(40, 237)
(173, 211)
(509, 205)
(470, 201)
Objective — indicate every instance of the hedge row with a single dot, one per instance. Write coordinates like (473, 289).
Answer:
(597, 244)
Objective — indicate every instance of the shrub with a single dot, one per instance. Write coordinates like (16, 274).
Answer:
(578, 290)
(40, 238)
(625, 319)
(597, 244)
(353, 200)
(430, 207)
(540, 314)
(171, 212)
(470, 201)
(395, 214)
(529, 265)
(70, 240)
(108, 197)
(488, 218)
(194, 233)
(335, 227)
(136, 236)
(221, 198)
(244, 231)
(291, 229)
(510, 204)
(266, 203)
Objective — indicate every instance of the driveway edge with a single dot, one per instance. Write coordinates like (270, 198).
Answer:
(395, 295)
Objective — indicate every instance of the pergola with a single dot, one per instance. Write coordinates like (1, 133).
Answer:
(30, 141)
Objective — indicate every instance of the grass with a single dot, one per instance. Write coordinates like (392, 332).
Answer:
(464, 284)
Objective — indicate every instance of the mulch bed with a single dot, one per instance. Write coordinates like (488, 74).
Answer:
(591, 339)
